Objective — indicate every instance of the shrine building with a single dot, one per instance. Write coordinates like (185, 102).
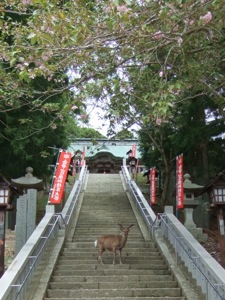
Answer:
(105, 156)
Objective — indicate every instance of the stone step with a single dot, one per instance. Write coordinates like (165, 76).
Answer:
(112, 278)
(109, 272)
(87, 253)
(102, 214)
(92, 266)
(97, 233)
(113, 212)
(80, 238)
(112, 293)
(108, 259)
(105, 222)
(126, 251)
(139, 244)
(132, 236)
(112, 285)
(122, 298)
(79, 275)
(114, 204)
(101, 231)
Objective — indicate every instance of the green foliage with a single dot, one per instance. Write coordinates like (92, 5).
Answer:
(124, 134)
(89, 133)
(144, 62)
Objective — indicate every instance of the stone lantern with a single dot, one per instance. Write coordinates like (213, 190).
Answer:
(216, 191)
(28, 181)
(26, 207)
(78, 157)
(132, 163)
(192, 201)
(6, 193)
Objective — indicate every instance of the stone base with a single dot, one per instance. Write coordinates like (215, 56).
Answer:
(198, 234)
(9, 247)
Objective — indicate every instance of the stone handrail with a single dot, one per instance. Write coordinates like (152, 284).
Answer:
(21, 278)
(207, 272)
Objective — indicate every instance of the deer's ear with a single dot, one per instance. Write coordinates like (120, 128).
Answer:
(120, 225)
(131, 225)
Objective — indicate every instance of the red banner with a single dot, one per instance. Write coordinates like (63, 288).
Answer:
(152, 186)
(82, 158)
(74, 166)
(60, 177)
(180, 183)
(133, 151)
(137, 166)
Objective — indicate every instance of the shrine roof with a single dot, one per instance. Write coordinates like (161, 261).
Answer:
(118, 148)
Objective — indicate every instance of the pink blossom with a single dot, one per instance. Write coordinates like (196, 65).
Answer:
(158, 35)
(122, 9)
(32, 75)
(189, 22)
(83, 117)
(158, 121)
(171, 6)
(161, 74)
(20, 67)
(180, 41)
(206, 18)
(27, 2)
(74, 107)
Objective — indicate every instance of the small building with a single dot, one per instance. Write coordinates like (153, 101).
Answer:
(105, 156)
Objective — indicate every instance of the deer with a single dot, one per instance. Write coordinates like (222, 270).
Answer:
(112, 242)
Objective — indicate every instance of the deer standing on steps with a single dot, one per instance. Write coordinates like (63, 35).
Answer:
(112, 243)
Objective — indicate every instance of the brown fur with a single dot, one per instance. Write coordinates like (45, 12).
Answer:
(112, 242)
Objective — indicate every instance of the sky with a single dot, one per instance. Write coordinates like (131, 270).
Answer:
(95, 121)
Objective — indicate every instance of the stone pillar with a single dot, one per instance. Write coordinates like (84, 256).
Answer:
(168, 209)
(25, 218)
(188, 213)
(50, 209)
(197, 232)
(31, 211)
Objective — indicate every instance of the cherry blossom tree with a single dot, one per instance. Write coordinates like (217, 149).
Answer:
(95, 39)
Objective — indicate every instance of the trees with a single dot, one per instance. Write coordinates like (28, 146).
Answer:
(141, 59)
(33, 120)
(101, 41)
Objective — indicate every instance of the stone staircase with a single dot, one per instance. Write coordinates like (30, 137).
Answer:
(78, 275)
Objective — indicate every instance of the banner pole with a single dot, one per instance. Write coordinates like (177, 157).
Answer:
(179, 183)
(152, 186)
(58, 189)
(176, 186)
(52, 181)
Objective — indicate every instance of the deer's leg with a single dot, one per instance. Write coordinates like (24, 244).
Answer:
(100, 255)
(120, 252)
(114, 256)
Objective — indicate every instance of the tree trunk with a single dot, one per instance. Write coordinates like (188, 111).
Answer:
(220, 220)
(158, 143)
(165, 192)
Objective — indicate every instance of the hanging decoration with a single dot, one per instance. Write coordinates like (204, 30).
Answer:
(179, 182)
(82, 163)
(57, 190)
(152, 186)
(133, 151)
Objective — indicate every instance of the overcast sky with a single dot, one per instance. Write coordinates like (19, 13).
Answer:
(95, 121)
